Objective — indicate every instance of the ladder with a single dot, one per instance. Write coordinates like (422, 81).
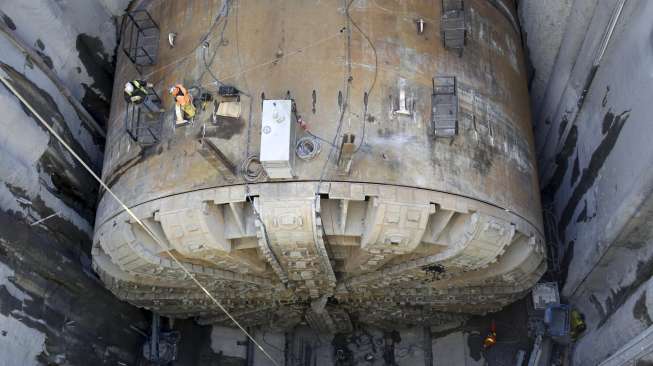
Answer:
(453, 25)
(444, 105)
(140, 38)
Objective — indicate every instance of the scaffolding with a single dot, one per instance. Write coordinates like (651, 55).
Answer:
(144, 121)
(140, 38)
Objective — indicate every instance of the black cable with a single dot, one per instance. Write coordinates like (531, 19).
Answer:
(320, 138)
(367, 38)
(364, 122)
(201, 43)
(298, 117)
(207, 64)
(225, 9)
(205, 39)
(207, 68)
(345, 104)
(376, 72)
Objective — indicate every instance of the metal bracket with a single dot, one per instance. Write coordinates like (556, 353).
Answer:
(403, 103)
(346, 156)
(453, 25)
(444, 107)
(212, 153)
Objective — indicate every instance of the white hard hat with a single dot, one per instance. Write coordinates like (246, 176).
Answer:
(129, 88)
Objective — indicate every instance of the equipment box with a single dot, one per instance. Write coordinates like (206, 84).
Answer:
(277, 138)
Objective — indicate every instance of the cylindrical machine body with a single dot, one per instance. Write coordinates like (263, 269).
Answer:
(386, 219)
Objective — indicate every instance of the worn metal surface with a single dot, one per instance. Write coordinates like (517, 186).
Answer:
(417, 225)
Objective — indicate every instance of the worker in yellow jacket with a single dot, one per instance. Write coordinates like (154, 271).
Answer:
(184, 108)
(136, 91)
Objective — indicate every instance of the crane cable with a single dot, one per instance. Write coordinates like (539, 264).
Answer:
(133, 216)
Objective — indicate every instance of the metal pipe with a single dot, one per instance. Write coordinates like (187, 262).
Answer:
(607, 35)
(428, 346)
(154, 340)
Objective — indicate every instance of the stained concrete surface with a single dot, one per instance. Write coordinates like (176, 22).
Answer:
(593, 133)
(607, 240)
(116, 7)
(76, 38)
(543, 26)
(44, 92)
(53, 309)
(606, 336)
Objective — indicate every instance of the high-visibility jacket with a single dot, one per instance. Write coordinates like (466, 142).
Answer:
(182, 98)
(138, 94)
(184, 101)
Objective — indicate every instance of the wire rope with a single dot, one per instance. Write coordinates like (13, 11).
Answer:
(134, 217)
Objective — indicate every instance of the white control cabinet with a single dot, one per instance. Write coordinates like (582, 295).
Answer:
(278, 138)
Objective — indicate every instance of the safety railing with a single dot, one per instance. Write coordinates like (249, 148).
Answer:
(144, 121)
(140, 38)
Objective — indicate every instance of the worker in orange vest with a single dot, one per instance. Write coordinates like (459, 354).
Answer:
(491, 338)
(184, 108)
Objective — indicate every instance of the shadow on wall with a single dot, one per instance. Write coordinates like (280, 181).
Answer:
(100, 66)
(51, 305)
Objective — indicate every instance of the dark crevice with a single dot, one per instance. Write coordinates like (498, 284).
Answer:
(562, 165)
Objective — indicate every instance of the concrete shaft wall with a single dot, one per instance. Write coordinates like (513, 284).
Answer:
(593, 138)
(417, 226)
(53, 309)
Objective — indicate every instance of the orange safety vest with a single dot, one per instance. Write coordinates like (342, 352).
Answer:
(184, 98)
